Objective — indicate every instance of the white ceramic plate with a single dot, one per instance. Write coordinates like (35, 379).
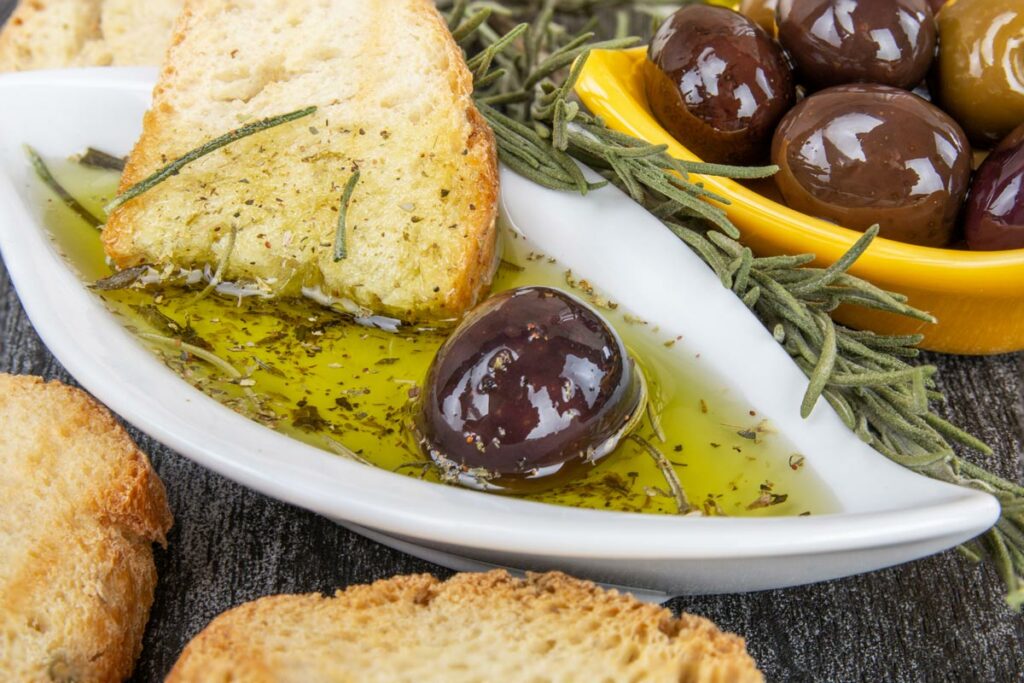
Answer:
(888, 515)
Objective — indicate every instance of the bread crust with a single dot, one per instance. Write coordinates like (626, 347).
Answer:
(484, 150)
(478, 260)
(78, 575)
(262, 640)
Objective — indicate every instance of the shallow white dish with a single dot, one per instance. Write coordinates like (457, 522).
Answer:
(889, 515)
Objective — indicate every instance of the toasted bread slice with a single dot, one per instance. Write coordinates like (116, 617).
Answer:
(51, 34)
(394, 102)
(79, 510)
(473, 627)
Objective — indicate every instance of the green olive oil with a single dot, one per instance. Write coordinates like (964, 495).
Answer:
(312, 373)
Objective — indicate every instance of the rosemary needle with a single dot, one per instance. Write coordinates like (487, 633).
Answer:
(340, 251)
(95, 158)
(44, 174)
(175, 166)
(683, 506)
(208, 356)
(222, 266)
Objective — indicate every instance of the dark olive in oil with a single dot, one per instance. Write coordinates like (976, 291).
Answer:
(531, 386)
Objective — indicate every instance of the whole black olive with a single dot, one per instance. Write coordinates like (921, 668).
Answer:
(994, 217)
(833, 42)
(718, 83)
(863, 154)
(531, 387)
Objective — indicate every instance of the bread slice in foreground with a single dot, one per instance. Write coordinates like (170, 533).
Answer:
(473, 627)
(53, 34)
(80, 507)
(394, 102)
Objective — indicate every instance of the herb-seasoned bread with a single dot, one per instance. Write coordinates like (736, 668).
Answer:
(80, 507)
(473, 627)
(394, 102)
(51, 34)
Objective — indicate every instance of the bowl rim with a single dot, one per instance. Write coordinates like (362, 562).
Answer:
(608, 87)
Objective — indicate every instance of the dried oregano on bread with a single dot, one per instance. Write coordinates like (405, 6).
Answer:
(394, 103)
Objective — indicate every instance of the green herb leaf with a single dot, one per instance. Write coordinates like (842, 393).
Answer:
(340, 251)
(44, 174)
(95, 158)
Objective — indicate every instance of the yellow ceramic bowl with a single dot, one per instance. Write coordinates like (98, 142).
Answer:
(978, 297)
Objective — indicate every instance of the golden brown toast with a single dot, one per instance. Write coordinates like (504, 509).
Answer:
(473, 627)
(80, 507)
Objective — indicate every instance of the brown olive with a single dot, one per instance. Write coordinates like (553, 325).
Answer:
(863, 154)
(761, 12)
(833, 42)
(718, 83)
(531, 387)
(980, 70)
(994, 215)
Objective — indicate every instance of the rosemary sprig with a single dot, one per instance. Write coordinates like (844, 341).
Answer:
(95, 158)
(520, 53)
(120, 279)
(683, 506)
(174, 167)
(340, 251)
(44, 174)
(222, 266)
(208, 356)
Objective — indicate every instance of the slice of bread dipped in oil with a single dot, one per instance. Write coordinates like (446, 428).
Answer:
(473, 627)
(80, 507)
(394, 103)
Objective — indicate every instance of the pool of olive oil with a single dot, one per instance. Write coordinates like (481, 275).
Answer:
(312, 373)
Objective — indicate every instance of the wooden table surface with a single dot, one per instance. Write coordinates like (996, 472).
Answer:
(936, 619)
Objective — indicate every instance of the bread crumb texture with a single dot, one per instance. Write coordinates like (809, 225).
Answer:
(394, 102)
(80, 507)
(53, 34)
(548, 628)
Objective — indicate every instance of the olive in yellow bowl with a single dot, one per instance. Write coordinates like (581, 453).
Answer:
(977, 296)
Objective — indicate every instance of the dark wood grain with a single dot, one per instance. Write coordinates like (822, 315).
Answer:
(939, 619)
